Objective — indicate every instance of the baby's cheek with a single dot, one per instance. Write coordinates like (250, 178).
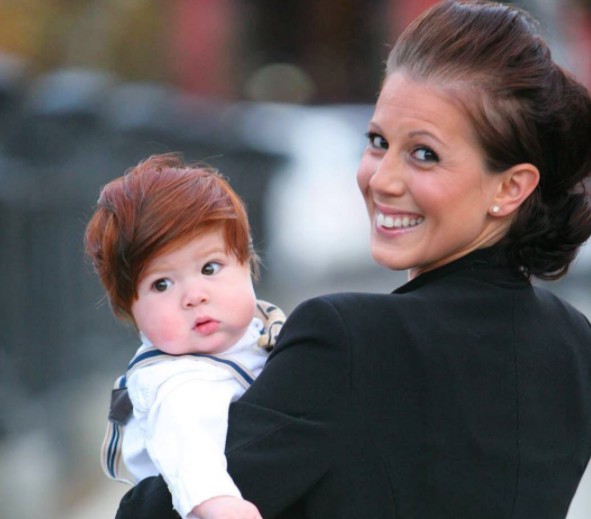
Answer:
(164, 334)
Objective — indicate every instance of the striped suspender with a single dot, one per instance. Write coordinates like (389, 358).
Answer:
(152, 355)
(111, 447)
(121, 408)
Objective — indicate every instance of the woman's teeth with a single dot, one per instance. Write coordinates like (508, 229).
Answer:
(398, 222)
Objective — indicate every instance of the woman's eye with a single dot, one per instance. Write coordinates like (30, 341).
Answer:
(211, 268)
(161, 285)
(424, 154)
(376, 141)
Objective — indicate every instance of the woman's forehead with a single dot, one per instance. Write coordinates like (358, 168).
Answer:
(417, 106)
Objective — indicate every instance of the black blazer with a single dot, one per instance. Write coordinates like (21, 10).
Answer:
(466, 393)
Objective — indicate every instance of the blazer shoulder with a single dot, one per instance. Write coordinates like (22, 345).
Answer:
(350, 312)
(339, 306)
(345, 302)
(556, 305)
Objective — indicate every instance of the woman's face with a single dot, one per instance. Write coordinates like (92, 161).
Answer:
(424, 181)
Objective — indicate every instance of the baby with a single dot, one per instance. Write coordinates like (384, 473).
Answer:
(171, 244)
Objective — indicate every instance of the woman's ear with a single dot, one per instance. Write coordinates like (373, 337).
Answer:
(518, 182)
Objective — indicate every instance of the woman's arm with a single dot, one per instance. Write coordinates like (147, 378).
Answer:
(281, 432)
(149, 499)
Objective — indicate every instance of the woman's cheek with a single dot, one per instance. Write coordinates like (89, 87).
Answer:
(364, 173)
(367, 168)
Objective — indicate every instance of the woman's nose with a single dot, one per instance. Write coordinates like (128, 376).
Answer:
(388, 177)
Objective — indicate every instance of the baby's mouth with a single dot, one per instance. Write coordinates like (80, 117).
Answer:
(206, 325)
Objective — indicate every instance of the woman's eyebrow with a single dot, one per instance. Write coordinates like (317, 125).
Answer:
(422, 133)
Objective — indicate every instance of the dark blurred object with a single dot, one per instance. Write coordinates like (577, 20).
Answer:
(337, 46)
(14, 73)
(58, 107)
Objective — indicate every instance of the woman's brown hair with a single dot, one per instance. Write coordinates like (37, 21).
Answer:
(493, 61)
(156, 206)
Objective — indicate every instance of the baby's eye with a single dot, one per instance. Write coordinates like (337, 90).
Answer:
(376, 141)
(425, 154)
(162, 284)
(211, 268)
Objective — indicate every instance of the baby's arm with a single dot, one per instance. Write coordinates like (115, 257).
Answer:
(185, 430)
(226, 507)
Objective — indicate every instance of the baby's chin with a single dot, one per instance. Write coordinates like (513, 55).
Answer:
(172, 346)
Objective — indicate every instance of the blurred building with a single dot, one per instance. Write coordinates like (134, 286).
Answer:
(331, 51)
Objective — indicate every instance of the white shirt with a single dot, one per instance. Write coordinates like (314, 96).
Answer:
(180, 419)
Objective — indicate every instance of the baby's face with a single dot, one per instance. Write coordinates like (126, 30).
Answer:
(195, 299)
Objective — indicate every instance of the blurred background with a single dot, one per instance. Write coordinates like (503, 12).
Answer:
(277, 95)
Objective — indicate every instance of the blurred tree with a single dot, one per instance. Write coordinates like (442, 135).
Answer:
(210, 48)
(123, 36)
(136, 36)
(30, 28)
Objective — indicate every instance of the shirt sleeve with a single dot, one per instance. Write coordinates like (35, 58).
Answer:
(185, 430)
(282, 431)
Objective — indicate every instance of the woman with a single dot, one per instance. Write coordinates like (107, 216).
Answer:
(466, 393)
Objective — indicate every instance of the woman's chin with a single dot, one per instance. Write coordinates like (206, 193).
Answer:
(389, 259)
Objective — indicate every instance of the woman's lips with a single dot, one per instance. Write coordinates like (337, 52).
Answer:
(398, 221)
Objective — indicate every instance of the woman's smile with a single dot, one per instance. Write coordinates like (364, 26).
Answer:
(397, 221)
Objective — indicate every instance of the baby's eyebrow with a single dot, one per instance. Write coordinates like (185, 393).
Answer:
(213, 250)
(157, 269)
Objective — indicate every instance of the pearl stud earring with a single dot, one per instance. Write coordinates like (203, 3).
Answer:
(495, 209)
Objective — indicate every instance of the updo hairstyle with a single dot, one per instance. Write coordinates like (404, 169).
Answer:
(491, 59)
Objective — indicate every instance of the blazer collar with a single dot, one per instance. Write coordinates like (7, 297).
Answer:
(481, 259)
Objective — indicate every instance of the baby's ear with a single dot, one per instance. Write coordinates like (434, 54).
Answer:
(273, 319)
(518, 183)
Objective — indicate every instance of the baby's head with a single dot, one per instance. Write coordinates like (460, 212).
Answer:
(154, 208)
